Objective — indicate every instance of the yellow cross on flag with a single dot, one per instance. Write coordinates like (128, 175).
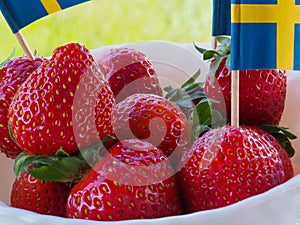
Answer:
(265, 34)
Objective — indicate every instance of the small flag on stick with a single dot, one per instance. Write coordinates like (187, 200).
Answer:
(265, 34)
(20, 13)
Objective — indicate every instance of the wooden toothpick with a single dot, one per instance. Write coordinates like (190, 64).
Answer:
(235, 98)
(24, 45)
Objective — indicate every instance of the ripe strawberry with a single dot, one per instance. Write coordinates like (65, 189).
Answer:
(262, 92)
(39, 196)
(226, 165)
(152, 118)
(279, 138)
(128, 71)
(65, 103)
(134, 181)
(12, 75)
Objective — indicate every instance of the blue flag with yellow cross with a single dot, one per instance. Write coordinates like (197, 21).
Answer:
(265, 34)
(20, 13)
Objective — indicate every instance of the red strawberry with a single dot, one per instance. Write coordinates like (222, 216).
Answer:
(279, 138)
(134, 181)
(262, 92)
(65, 103)
(152, 118)
(39, 196)
(226, 165)
(12, 75)
(128, 71)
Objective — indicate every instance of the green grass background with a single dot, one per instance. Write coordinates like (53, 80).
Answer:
(102, 22)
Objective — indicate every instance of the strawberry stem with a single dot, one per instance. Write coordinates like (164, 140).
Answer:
(216, 56)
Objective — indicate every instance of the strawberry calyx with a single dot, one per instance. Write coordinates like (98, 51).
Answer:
(204, 118)
(11, 133)
(222, 50)
(282, 135)
(61, 167)
(191, 98)
(188, 93)
(217, 56)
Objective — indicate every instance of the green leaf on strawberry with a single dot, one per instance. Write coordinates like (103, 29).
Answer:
(188, 94)
(192, 100)
(11, 135)
(192, 79)
(223, 40)
(64, 169)
(207, 54)
(190, 89)
(204, 117)
(61, 167)
(221, 53)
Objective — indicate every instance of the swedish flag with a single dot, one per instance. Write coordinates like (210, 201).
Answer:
(221, 17)
(265, 34)
(20, 13)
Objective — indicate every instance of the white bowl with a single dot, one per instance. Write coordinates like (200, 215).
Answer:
(174, 64)
(278, 206)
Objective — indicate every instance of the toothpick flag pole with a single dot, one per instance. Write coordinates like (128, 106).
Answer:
(19, 14)
(24, 45)
(235, 96)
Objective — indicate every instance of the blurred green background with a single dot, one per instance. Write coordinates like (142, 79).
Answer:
(102, 22)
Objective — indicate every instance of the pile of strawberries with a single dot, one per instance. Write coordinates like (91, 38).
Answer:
(98, 138)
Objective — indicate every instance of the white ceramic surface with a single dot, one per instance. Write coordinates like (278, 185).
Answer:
(174, 63)
(279, 206)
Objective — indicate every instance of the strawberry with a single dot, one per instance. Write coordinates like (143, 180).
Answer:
(152, 118)
(65, 104)
(13, 73)
(279, 137)
(128, 71)
(226, 165)
(39, 196)
(134, 181)
(262, 92)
